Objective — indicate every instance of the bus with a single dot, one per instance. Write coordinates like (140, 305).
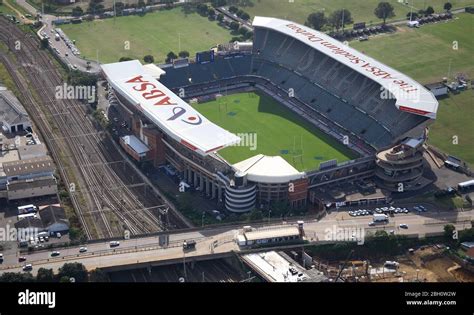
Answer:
(466, 186)
(27, 209)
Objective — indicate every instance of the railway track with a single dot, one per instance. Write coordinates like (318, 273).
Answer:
(107, 195)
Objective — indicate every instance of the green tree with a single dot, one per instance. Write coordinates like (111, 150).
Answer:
(316, 20)
(44, 43)
(429, 10)
(45, 275)
(447, 6)
(245, 16)
(242, 31)
(16, 277)
(234, 26)
(448, 231)
(218, 3)
(233, 9)
(73, 270)
(256, 215)
(183, 54)
(98, 275)
(339, 18)
(384, 11)
(149, 59)
(170, 57)
(77, 11)
(220, 17)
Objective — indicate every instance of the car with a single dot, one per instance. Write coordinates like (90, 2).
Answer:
(55, 253)
(371, 223)
(422, 208)
(58, 235)
(392, 232)
(21, 259)
(114, 243)
(1, 257)
(74, 67)
(403, 226)
(82, 249)
(66, 54)
(27, 267)
(216, 212)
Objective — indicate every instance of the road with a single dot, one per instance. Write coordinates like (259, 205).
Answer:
(146, 249)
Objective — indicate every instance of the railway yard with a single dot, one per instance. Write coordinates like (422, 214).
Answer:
(106, 193)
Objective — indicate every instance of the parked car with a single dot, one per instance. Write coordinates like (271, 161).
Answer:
(28, 267)
(21, 258)
(55, 253)
(83, 249)
(403, 226)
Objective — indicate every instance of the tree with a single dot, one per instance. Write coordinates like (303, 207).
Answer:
(77, 11)
(316, 20)
(242, 31)
(234, 26)
(170, 57)
(98, 275)
(339, 18)
(220, 17)
(44, 43)
(141, 4)
(125, 59)
(183, 54)
(448, 231)
(233, 9)
(45, 275)
(245, 16)
(384, 11)
(447, 6)
(218, 3)
(73, 270)
(412, 15)
(429, 10)
(149, 59)
(211, 13)
(16, 277)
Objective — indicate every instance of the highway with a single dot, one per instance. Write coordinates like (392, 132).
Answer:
(219, 240)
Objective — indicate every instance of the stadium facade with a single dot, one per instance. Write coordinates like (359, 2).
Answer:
(360, 102)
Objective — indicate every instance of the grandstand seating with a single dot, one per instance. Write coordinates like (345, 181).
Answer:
(342, 95)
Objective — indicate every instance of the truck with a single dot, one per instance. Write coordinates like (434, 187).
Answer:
(380, 217)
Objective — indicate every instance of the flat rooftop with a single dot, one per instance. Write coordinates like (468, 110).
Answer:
(272, 233)
(274, 267)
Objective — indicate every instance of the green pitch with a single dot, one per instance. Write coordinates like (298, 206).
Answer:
(279, 131)
(153, 34)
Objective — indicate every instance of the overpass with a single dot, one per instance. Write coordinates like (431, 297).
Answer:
(218, 242)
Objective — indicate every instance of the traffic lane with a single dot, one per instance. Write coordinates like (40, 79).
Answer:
(125, 258)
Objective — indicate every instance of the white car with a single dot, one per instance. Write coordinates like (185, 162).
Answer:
(28, 267)
(82, 249)
(403, 226)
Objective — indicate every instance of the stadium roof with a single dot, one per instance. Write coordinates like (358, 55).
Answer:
(268, 169)
(173, 115)
(411, 96)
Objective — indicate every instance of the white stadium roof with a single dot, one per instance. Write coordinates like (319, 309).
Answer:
(410, 96)
(173, 115)
(268, 169)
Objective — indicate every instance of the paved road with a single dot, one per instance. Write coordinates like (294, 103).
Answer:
(147, 249)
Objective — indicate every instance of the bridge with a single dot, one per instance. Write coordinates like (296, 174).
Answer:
(219, 242)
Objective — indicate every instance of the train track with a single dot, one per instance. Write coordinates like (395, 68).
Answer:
(107, 195)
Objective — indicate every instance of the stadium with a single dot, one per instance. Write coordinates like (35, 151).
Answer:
(359, 118)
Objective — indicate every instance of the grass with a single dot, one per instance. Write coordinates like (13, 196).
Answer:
(4, 9)
(426, 54)
(153, 34)
(279, 131)
(362, 10)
